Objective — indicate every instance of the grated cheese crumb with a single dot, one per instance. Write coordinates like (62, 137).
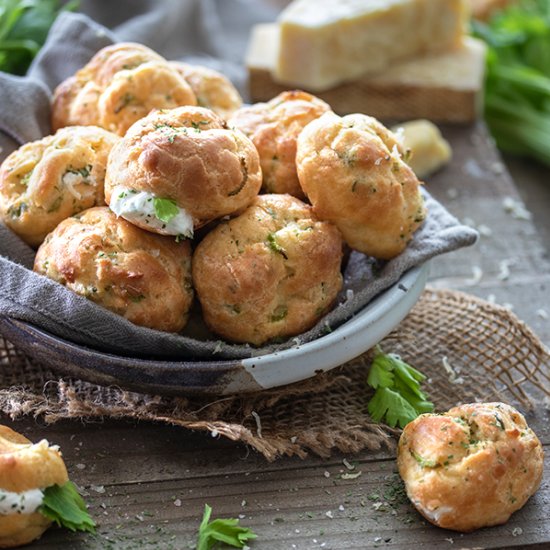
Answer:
(258, 423)
(516, 209)
(477, 275)
(504, 266)
(348, 465)
(453, 378)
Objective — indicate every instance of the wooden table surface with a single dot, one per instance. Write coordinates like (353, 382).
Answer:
(147, 484)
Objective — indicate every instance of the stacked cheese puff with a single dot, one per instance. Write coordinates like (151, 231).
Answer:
(148, 151)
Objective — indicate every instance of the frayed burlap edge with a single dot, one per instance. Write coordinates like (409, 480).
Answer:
(469, 349)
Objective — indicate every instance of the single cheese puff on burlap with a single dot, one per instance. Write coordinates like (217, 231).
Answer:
(25, 467)
(352, 171)
(274, 128)
(271, 272)
(186, 156)
(120, 84)
(139, 275)
(46, 181)
(212, 89)
(471, 467)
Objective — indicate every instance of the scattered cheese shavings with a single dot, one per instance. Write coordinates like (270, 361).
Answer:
(329, 514)
(542, 313)
(504, 266)
(516, 209)
(177, 502)
(327, 474)
(484, 230)
(453, 378)
(258, 423)
(516, 531)
(214, 433)
(477, 275)
(348, 465)
(351, 475)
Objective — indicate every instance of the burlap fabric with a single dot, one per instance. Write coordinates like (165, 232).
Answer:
(468, 348)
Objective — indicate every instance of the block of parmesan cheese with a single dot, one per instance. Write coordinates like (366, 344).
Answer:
(326, 42)
(444, 87)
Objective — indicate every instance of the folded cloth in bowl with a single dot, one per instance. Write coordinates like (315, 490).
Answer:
(32, 298)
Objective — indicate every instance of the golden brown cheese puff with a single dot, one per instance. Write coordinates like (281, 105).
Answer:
(274, 127)
(471, 467)
(121, 84)
(48, 180)
(141, 276)
(351, 169)
(272, 272)
(186, 156)
(212, 89)
(24, 467)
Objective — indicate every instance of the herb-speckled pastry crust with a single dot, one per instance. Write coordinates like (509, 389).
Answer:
(212, 89)
(23, 467)
(186, 155)
(139, 275)
(272, 272)
(352, 171)
(46, 181)
(120, 84)
(471, 467)
(274, 128)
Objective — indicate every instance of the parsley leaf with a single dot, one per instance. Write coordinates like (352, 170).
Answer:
(63, 505)
(517, 83)
(221, 530)
(165, 209)
(398, 398)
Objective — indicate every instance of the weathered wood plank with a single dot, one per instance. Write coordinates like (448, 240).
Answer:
(134, 495)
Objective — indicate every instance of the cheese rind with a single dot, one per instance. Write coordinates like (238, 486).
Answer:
(324, 43)
(444, 87)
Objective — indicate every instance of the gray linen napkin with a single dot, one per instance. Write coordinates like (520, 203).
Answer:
(24, 295)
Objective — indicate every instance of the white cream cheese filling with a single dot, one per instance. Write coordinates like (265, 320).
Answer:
(26, 502)
(139, 207)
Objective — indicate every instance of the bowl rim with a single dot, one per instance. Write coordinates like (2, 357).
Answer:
(226, 376)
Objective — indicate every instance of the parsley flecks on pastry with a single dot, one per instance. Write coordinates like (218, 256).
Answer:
(119, 85)
(29, 473)
(137, 274)
(186, 157)
(271, 272)
(353, 172)
(212, 89)
(471, 467)
(45, 181)
(274, 127)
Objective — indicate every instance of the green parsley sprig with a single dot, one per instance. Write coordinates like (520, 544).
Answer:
(227, 531)
(398, 399)
(517, 87)
(64, 506)
(165, 209)
(24, 25)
